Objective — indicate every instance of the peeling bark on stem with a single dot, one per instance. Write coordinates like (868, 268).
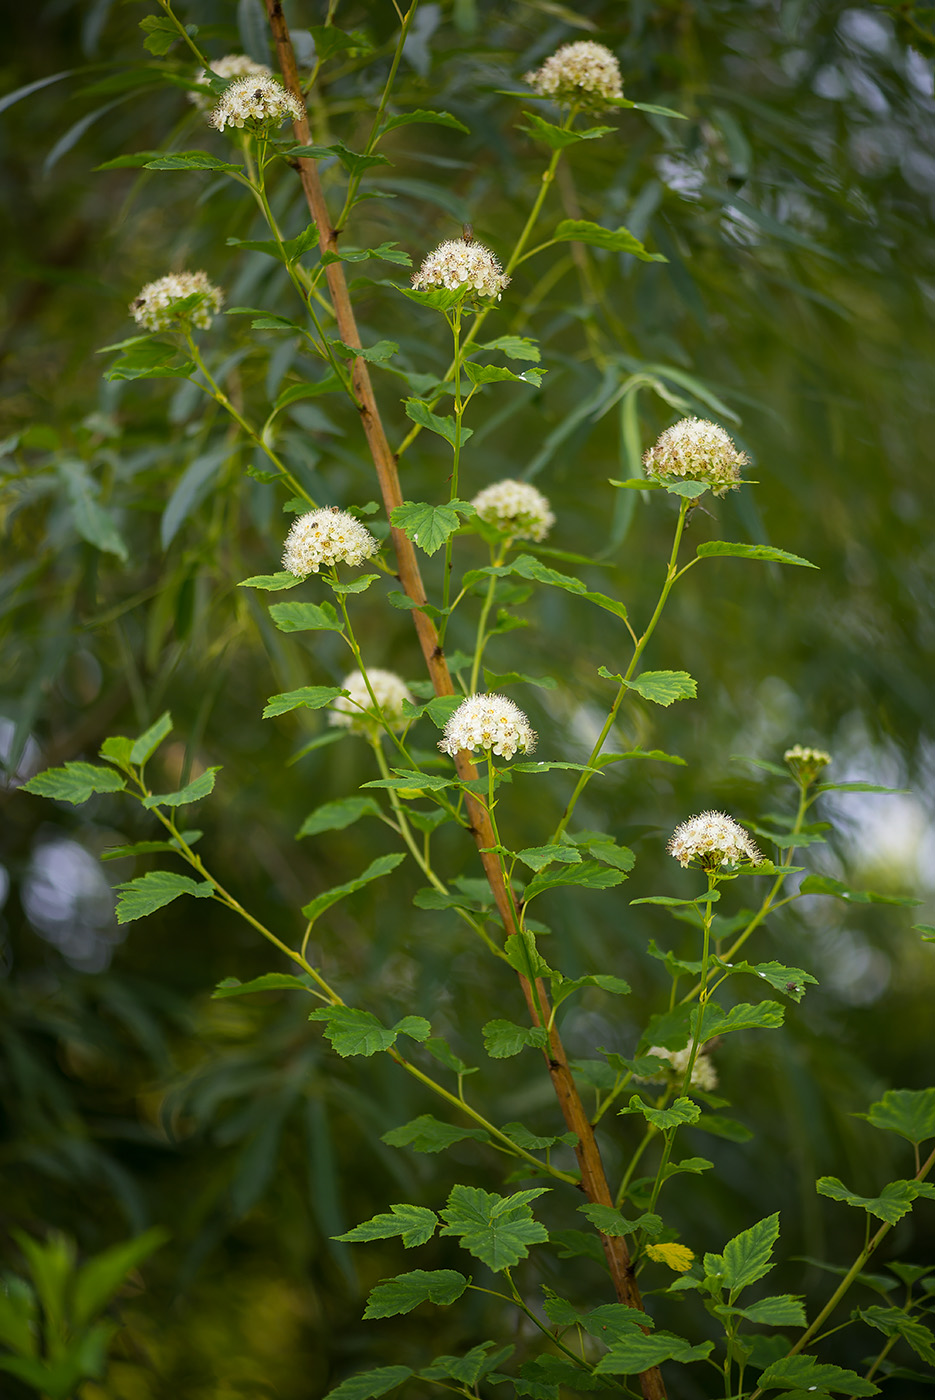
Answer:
(593, 1180)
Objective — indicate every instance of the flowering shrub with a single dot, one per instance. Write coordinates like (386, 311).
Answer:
(606, 1152)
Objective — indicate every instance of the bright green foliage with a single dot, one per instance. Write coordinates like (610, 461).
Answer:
(383, 865)
(413, 1224)
(428, 1134)
(746, 1258)
(50, 1333)
(502, 1039)
(894, 1322)
(662, 687)
(354, 1032)
(497, 1230)
(74, 783)
(804, 1372)
(782, 1310)
(305, 617)
(611, 1222)
(192, 792)
(407, 1291)
(894, 1201)
(718, 549)
(155, 889)
(637, 1352)
(467, 1369)
(765, 1015)
(681, 1111)
(909, 1112)
(269, 982)
(335, 816)
(430, 526)
(309, 697)
(367, 1385)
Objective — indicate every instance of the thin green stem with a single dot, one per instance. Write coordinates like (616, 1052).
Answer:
(496, 559)
(548, 1332)
(591, 769)
(353, 184)
(217, 393)
(455, 323)
(852, 1273)
(641, 1147)
(481, 1121)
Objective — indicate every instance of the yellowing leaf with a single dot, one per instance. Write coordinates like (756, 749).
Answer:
(675, 1256)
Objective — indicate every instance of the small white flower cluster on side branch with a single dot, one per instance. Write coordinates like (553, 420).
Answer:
(489, 722)
(694, 449)
(712, 840)
(516, 508)
(704, 1075)
(459, 263)
(230, 67)
(326, 537)
(355, 711)
(582, 72)
(256, 102)
(806, 763)
(157, 306)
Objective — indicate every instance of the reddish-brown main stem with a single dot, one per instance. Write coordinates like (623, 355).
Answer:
(593, 1180)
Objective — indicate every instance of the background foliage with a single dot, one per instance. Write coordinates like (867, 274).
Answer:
(794, 208)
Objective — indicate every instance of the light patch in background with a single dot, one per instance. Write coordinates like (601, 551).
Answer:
(29, 762)
(70, 904)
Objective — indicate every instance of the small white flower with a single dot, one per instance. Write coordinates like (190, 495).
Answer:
(695, 450)
(713, 840)
(516, 508)
(230, 67)
(459, 263)
(582, 72)
(356, 711)
(326, 537)
(488, 722)
(256, 102)
(156, 308)
(704, 1075)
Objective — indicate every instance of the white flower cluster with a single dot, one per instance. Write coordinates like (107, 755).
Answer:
(704, 1075)
(516, 508)
(230, 67)
(156, 307)
(356, 710)
(459, 263)
(256, 101)
(488, 722)
(713, 839)
(806, 763)
(326, 537)
(582, 72)
(695, 450)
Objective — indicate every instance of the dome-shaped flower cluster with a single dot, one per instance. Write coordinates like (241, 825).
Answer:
(516, 508)
(488, 722)
(582, 72)
(157, 306)
(230, 67)
(256, 102)
(704, 1075)
(460, 263)
(326, 537)
(806, 763)
(356, 710)
(695, 450)
(712, 840)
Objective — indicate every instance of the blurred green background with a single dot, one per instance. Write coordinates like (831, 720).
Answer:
(794, 207)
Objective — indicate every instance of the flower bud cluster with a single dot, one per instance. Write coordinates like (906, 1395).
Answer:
(326, 537)
(704, 1075)
(712, 840)
(806, 763)
(355, 711)
(256, 102)
(230, 67)
(156, 308)
(489, 722)
(459, 263)
(582, 72)
(695, 450)
(516, 508)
